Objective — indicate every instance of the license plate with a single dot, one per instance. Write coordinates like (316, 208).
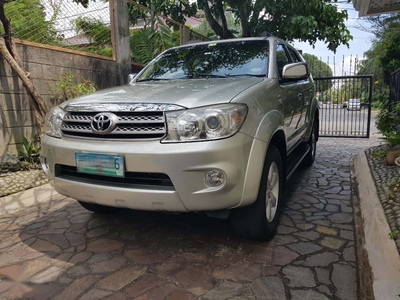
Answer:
(100, 164)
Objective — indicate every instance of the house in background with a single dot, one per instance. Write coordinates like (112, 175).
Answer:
(376, 7)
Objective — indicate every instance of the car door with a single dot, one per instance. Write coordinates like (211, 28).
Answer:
(305, 93)
(291, 98)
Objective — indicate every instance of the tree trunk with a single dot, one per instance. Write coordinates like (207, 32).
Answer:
(255, 15)
(244, 21)
(214, 24)
(225, 30)
(8, 51)
(36, 100)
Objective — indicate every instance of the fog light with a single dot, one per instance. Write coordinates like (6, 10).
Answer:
(214, 178)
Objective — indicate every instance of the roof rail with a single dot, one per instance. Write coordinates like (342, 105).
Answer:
(266, 34)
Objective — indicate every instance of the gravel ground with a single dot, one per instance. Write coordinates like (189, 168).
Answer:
(384, 177)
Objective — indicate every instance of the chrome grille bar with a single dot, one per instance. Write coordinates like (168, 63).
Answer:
(124, 124)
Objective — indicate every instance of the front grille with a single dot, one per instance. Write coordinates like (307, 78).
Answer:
(128, 125)
(131, 179)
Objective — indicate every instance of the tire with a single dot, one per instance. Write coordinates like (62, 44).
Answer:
(312, 142)
(99, 209)
(259, 220)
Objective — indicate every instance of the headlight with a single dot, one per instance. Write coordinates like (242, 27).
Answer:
(53, 121)
(204, 123)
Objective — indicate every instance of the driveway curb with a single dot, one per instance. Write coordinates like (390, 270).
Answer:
(382, 253)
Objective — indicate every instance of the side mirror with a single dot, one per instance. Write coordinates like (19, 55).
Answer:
(296, 71)
(131, 77)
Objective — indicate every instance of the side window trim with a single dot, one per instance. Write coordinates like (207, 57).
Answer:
(292, 53)
(287, 58)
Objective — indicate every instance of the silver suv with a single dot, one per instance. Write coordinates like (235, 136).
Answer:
(216, 127)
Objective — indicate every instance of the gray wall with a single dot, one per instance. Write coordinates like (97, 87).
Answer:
(45, 66)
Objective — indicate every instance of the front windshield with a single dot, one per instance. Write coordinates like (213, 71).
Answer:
(220, 60)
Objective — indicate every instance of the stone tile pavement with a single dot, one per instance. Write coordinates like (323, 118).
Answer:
(57, 250)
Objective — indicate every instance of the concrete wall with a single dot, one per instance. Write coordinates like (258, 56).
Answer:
(45, 66)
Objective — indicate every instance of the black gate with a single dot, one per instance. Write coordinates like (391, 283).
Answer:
(394, 90)
(345, 105)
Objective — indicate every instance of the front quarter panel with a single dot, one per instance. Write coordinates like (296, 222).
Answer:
(264, 106)
(271, 123)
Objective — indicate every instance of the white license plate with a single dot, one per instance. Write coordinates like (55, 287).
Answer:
(100, 164)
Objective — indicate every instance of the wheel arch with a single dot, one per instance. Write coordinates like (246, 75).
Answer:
(256, 164)
(279, 140)
(316, 119)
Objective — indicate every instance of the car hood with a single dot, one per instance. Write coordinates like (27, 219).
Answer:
(186, 93)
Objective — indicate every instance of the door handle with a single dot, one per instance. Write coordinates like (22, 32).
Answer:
(280, 99)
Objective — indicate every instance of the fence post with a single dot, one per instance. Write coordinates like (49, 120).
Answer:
(184, 34)
(120, 38)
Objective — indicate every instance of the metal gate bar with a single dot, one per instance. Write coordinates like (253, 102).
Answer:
(394, 98)
(345, 105)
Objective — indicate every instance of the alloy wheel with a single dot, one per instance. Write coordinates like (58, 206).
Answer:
(272, 195)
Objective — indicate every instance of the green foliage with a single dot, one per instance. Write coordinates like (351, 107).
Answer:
(388, 48)
(68, 87)
(387, 123)
(382, 59)
(147, 44)
(84, 3)
(350, 88)
(372, 66)
(392, 139)
(205, 29)
(380, 154)
(319, 69)
(308, 21)
(30, 151)
(393, 234)
(28, 22)
(384, 56)
(98, 34)
(177, 10)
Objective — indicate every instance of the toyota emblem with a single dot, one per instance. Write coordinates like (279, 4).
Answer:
(104, 123)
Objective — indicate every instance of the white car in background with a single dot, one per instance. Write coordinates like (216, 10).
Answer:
(354, 104)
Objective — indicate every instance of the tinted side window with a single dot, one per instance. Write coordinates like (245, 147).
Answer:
(282, 58)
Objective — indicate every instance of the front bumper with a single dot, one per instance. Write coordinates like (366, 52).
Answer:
(184, 163)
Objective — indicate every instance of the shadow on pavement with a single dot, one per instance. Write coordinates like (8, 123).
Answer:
(59, 250)
(70, 250)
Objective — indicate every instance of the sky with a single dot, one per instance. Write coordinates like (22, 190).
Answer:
(344, 57)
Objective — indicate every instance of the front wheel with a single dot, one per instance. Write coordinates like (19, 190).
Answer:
(259, 220)
(99, 209)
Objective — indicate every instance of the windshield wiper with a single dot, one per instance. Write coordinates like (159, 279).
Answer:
(206, 76)
(151, 79)
(248, 75)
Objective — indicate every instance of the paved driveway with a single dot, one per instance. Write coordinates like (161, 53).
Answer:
(58, 250)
